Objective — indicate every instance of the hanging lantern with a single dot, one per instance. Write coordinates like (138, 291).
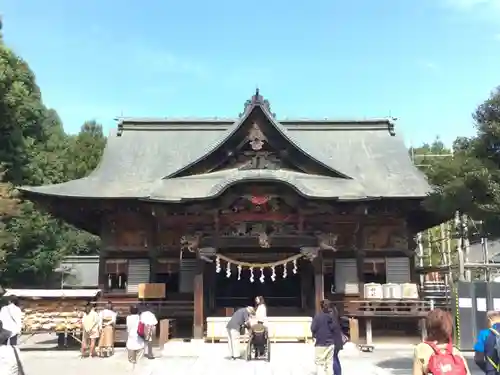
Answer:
(262, 277)
(252, 278)
(239, 272)
(217, 265)
(109, 281)
(284, 271)
(273, 274)
(294, 270)
(228, 270)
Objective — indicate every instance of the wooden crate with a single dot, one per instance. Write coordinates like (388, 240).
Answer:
(151, 291)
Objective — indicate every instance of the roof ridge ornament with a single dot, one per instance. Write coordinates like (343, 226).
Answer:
(257, 100)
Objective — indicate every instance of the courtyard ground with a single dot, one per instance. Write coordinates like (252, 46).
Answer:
(209, 359)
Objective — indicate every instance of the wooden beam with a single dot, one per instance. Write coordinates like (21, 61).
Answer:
(319, 284)
(360, 256)
(199, 316)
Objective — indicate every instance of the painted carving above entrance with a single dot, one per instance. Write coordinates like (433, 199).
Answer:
(385, 238)
(256, 152)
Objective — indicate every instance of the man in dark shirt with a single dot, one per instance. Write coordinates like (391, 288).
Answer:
(240, 318)
(327, 334)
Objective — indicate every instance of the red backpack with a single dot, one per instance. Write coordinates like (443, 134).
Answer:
(141, 330)
(445, 363)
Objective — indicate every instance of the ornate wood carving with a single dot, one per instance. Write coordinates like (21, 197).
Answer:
(385, 237)
(168, 239)
(256, 138)
(327, 241)
(258, 160)
(190, 242)
(126, 232)
(310, 252)
(257, 99)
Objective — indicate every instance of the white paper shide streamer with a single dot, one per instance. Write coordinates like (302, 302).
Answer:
(252, 268)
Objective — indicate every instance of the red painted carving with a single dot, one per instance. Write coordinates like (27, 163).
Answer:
(259, 200)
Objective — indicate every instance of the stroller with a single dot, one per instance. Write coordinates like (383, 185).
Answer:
(258, 345)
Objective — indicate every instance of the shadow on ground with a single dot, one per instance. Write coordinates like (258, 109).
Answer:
(406, 363)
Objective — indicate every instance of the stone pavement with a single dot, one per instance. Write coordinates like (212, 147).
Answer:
(193, 359)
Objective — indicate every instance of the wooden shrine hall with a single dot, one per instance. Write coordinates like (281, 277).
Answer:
(223, 210)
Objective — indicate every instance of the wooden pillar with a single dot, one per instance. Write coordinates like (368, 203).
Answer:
(319, 285)
(199, 316)
(360, 263)
(360, 258)
(152, 245)
(102, 277)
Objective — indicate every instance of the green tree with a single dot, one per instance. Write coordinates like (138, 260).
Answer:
(35, 150)
(85, 150)
(469, 180)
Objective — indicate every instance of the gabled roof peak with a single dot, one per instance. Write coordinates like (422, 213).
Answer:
(257, 100)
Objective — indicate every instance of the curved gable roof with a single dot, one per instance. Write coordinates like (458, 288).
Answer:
(142, 152)
(256, 103)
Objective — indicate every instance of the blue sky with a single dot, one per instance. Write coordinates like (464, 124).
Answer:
(427, 62)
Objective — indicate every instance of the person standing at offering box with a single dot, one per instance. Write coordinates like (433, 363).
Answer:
(135, 343)
(107, 339)
(238, 321)
(150, 322)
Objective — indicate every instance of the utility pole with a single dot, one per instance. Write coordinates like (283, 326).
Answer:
(486, 255)
(466, 243)
(459, 227)
(443, 242)
(420, 257)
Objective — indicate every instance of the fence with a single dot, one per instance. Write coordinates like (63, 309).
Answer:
(472, 301)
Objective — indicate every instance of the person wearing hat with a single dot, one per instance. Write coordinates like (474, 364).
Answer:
(9, 357)
(239, 319)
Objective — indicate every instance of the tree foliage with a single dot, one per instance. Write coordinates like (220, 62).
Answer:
(35, 150)
(469, 179)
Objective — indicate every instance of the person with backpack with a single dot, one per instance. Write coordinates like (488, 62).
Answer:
(135, 336)
(492, 345)
(148, 318)
(479, 358)
(436, 355)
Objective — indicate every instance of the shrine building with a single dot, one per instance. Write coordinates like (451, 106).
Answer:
(223, 210)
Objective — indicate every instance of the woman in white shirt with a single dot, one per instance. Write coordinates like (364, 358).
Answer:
(90, 327)
(135, 343)
(260, 310)
(108, 322)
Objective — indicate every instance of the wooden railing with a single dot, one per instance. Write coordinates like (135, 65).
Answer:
(162, 309)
